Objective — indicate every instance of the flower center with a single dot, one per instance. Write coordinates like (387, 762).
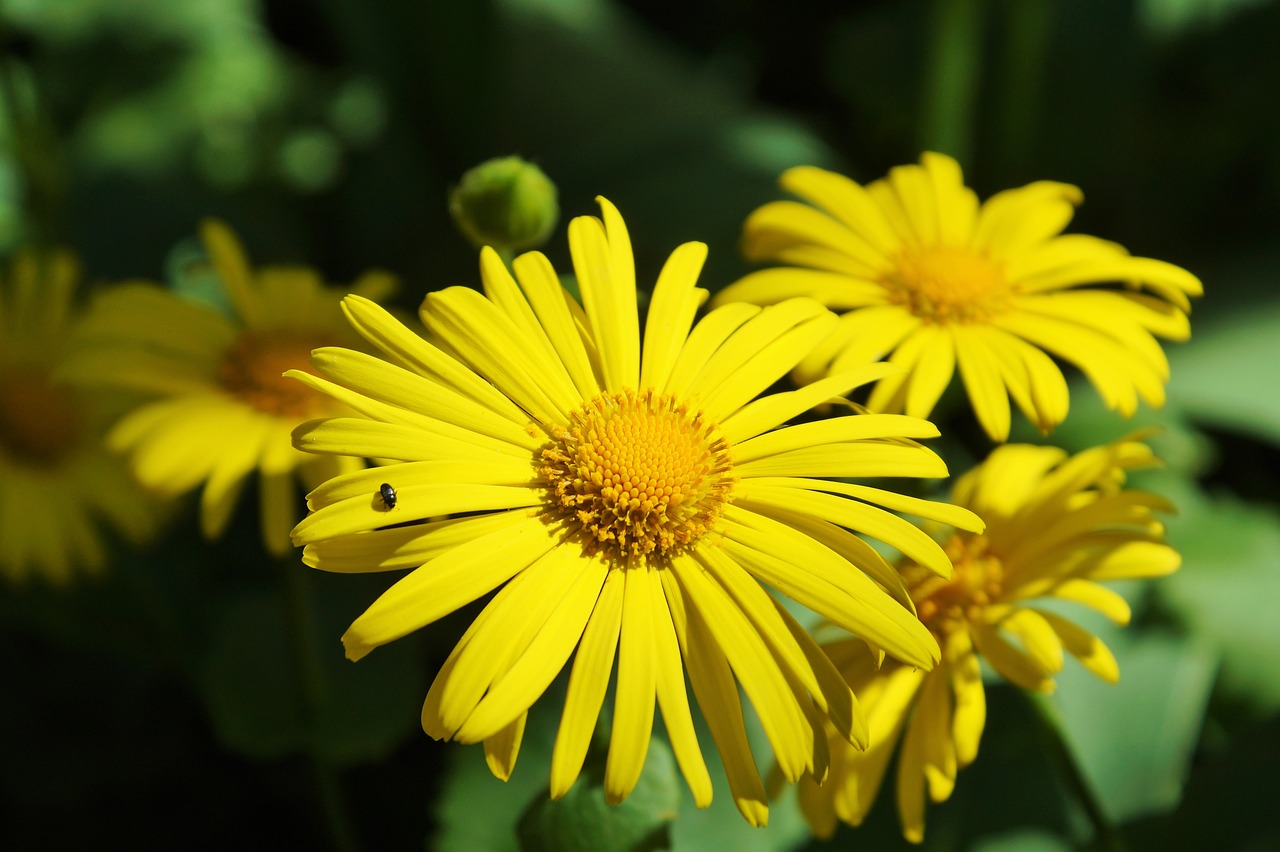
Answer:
(638, 473)
(942, 284)
(251, 370)
(39, 421)
(976, 582)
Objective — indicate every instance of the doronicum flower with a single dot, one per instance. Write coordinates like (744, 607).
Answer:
(628, 500)
(1057, 527)
(935, 281)
(57, 480)
(221, 407)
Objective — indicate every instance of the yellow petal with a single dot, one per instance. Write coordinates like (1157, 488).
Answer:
(396, 548)
(588, 683)
(555, 311)
(812, 575)
(228, 259)
(501, 750)
(446, 583)
(492, 345)
(415, 503)
(847, 201)
(671, 311)
(717, 695)
(674, 701)
(409, 350)
(869, 520)
(771, 411)
(834, 430)
(1084, 646)
(606, 276)
(540, 662)
(636, 689)
(970, 716)
(707, 337)
(838, 291)
(754, 666)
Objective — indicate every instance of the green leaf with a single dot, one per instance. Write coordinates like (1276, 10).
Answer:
(475, 810)
(1212, 379)
(583, 822)
(1228, 585)
(677, 144)
(1134, 739)
(262, 706)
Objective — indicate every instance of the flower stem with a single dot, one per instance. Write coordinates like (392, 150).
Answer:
(951, 78)
(1049, 726)
(314, 688)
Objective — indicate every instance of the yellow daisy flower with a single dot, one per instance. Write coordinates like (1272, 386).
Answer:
(57, 480)
(224, 408)
(1056, 527)
(936, 281)
(624, 499)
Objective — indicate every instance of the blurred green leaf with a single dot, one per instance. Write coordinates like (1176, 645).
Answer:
(606, 107)
(1216, 379)
(1134, 739)
(1229, 801)
(477, 811)
(1174, 17)
(257, 700)
(583, 822)
(1228, 585)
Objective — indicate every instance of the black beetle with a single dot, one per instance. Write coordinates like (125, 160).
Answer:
(388, 495)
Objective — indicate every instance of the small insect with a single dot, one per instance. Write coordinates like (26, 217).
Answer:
(388, 495)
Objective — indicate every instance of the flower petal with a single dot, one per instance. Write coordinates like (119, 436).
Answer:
(446, 583)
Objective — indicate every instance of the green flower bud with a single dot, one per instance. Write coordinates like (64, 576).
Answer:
(506, 203)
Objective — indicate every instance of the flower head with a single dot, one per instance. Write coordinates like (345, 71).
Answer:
(927, 274)
(1056, 527)
(222, 408)
(624, 499)
(57, 480)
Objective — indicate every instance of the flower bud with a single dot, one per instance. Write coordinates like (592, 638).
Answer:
(506, 203)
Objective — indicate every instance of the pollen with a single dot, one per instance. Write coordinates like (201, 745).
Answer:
(943, 284)
(976, 583)
(252, 371)
(638, 474)
(40, 422)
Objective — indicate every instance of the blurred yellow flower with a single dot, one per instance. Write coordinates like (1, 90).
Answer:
(625, 500)
(1056, 527)
(936, 281)
(224, 408)
(57, 480)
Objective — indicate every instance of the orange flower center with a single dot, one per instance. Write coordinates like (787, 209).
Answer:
(251, 371)
(40, 422)
(942, 284)
(638, 473)
(976, 582)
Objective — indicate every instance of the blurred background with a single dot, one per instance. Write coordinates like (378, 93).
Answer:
(155, 708)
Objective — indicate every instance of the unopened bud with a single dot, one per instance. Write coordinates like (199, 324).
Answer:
(506, 203)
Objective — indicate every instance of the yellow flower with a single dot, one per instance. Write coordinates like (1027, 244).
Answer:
(1056, 527)
(926, 273)
(224, 408)
(56, 477)
(625, 500)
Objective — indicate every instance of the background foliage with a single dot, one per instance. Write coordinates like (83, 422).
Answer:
(159, 706)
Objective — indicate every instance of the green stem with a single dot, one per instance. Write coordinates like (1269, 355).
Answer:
(1027, 27)
(37, 152)
(314, 687)
(951, 78)
(1049, 726)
